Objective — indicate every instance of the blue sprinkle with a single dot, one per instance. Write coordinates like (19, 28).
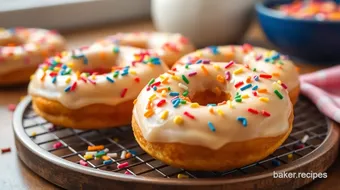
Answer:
(256, 78)
(276, 56)
(243, 120)
(267, 59)
(154, 88)
(173, 93)
(214, 50)
(176, 103)
(199, 61)
(156, 60)
(110, 79)
(134, 153)
(125, 72)
(275, 162)
(211, 104)
(64, 66)
(107, 162)
(255, 87)
(54, 80)
(245, 87)
(172, 101)
(86, 61)
(116, 49)
(211, 126)
(67, 88)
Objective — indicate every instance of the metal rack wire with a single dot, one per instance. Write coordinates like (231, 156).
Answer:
(308, 121)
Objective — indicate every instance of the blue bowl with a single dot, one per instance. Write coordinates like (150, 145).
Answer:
(310, 40)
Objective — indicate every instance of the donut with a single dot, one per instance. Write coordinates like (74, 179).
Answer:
(212, 116)
(170, 47)
(92, 87)
(23, 49)
(259, 59)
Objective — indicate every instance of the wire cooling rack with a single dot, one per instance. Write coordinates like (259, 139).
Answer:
(310, 130)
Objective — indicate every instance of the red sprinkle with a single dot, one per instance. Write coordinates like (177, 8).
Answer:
(265, 76)
(247, 47)
(258, 58)
(83, 79)
(253, 111)
(53, 74)
(161, 102)
(74, 86)
(91, 81)
(284, 86)
(239, 84)
(264, 113)
(183, 40)
(228, 76)
(122, 165)
(4, 150)
(57, 145)
(192, 74)
(127, 173)
(156, 84)
(123, 92)
(189, 115)
(11, 107)
(229, 64)
(254, 93)
(137, 79)
(83, 163)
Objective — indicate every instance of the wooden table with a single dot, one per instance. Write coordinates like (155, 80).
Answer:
(15, 175)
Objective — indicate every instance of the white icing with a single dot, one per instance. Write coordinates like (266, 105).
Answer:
(103, 92)
(228, 129)
(287, 73)
(36, 46)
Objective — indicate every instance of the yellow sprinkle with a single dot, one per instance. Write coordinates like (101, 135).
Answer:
(152, 97)
(78, 75)
(64, 53)
(68, 80)
(277, 86)
(70, 64)
(205, 71)
(217, 67)
(163, 93)
(44, 67)
(165, 80)
(178, 120)
(105, 157)
(218, 91)
(238, 71)
(133, 72)
(267, 54)
(279, 82)
(290, 156)
(93, 77)
(175, 77)
(220, 112)
(34, 134)
(57, 69)
(229, 103)
(245, 96)
(135, 101)
(149, 113)
(57, 59)
(199, 53)
(194, 105)
(276, 74)
(220, 79)
(161, 77)
(31, 77)
(164, 114)
(88, 156)
(264, 99)
(182, 176)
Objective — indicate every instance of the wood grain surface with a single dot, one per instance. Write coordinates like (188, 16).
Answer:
(15, 175)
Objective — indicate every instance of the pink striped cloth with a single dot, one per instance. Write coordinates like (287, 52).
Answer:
(323, 88)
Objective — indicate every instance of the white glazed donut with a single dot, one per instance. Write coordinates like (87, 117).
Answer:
(212, 116)
(170, 47)
(23, 49)
(93, 87)
(256, 58)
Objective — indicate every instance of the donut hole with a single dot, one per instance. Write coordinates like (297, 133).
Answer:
(11, 41)
(209, 97)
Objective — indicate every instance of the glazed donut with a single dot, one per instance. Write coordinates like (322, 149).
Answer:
(258, 59)
(170, 47)
(212, 116)
(23, 49)
(92, 87)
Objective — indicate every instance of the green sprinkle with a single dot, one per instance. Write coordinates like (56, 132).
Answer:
(100, 154)
(280, 61)
(278, 94)
(185, 79)
(238, 99)
(115, 49)
(116, 74)
(254, 69)
(185, 93)
(169, 89)
(183, 102)
(87, 74)
(151, 81)
(187, 66)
